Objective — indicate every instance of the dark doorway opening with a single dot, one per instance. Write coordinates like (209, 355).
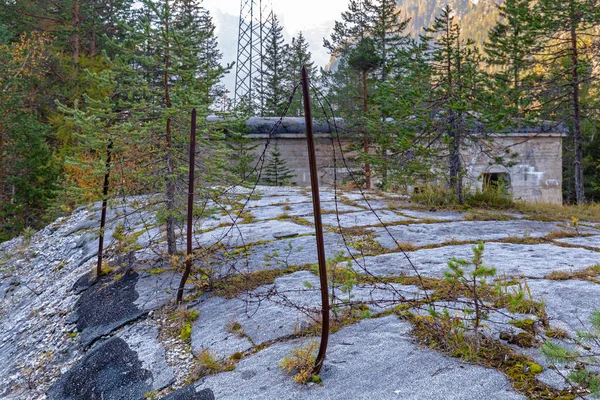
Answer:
(496, 180)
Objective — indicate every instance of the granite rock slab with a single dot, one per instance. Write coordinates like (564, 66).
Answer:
(429, 234)
(374, 359)
(363, 218)
(588, 241)
(243, 234)
(277, 311)
(517, 260)
(281, 254)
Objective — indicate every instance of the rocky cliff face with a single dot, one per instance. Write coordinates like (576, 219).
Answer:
(476, 17)
(67, 335)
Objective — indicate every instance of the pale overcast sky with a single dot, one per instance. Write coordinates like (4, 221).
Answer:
(298, 15)
(314, 18)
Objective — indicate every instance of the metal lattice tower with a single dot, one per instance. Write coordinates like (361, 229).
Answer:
(256, 18)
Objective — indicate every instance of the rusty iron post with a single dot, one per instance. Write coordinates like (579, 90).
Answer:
(104, 206)
(190, 210)
(314, 184)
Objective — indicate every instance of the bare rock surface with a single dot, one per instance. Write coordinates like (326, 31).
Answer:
(429, 234)
(277, 311)
(299, 210)
(288, 252)
(434, 215)
(363, 365)
(65, 335)
(588, 241)
(105, 307)
(189, 393)
(513, 260)
(363, 218)
(241, 235)
(571, 303)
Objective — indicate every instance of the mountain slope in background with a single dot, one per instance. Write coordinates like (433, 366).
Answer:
(477, 17)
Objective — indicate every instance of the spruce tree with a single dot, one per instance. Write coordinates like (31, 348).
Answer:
(243, 158)
(509, 49)
(274, 86)
(404, 151)
(276, 172)
(365, 42)
(298, 56)
(457, 90)
(387, 31)
(28, 169)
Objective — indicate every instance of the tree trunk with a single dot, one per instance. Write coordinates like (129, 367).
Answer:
(171, 240)
(454, 159)
(75, 39)
(365, 133)
(94, 27)
(577, 137)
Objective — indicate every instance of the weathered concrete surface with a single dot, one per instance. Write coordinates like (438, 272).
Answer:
(427, 234)
(375, 359)
(517, 260)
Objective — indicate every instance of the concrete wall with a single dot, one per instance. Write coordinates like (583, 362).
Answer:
(294, 150)
(535, 177)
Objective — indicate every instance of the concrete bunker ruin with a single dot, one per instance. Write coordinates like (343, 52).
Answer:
(532, 174)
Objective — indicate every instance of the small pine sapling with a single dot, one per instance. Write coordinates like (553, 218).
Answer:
(244, 159)
(276, 172)
(472, 280)
(586, 363)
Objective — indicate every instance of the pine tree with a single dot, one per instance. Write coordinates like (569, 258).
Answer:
(297, 57)
(28, 171)
(457, 90)
(367, 37)
(274, 86)
(276, 172)
(167, 66)
(510, 46)
(567, 31)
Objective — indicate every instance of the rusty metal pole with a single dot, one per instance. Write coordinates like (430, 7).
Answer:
(314, 184)
(190, 210)
(104, 206)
